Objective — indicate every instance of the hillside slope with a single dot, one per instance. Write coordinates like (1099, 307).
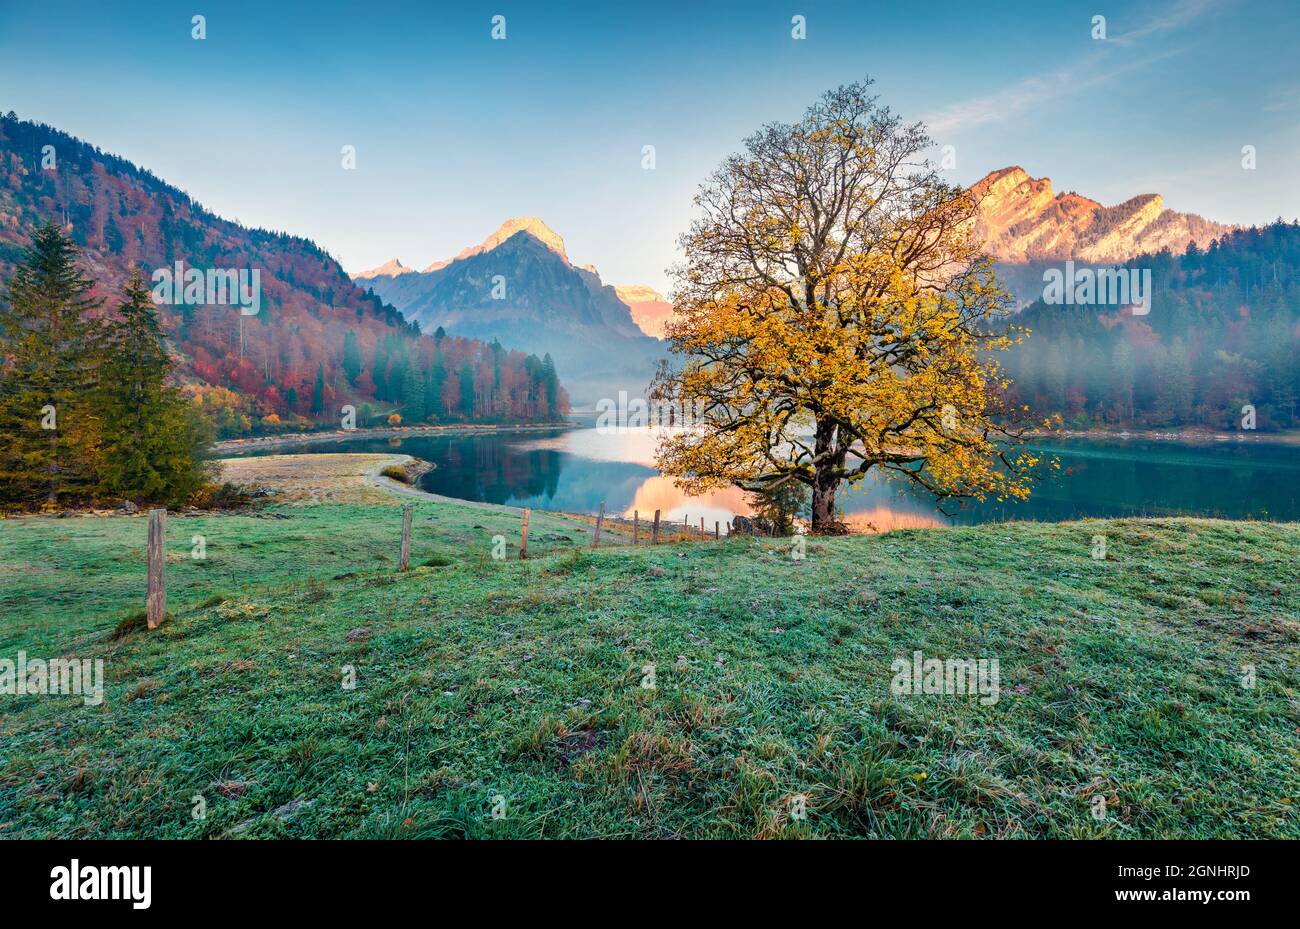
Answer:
(264, 367)
(1223, 333)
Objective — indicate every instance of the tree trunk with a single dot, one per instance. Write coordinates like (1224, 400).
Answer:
(825, 483)
(823, 501)
(53, 495)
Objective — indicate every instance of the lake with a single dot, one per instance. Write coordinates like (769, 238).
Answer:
(576, 469)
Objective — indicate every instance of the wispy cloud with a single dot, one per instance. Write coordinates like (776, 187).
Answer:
(1180, 14)
(1285, 98)
(1015, 100)
(1089, 71)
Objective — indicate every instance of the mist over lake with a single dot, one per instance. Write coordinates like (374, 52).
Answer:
(574, 470)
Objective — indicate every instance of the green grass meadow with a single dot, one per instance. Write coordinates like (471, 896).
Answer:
(507, 698)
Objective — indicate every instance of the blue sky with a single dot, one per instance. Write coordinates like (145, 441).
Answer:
(455, 132)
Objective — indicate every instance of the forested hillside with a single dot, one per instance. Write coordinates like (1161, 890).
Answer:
(1223, 332)
(318, 341)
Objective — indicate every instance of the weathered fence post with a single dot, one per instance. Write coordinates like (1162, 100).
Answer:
(636, 527)
(405, 561)
(523, 543)
(654, 537)
(600, 518)
(717, 532)
(156, 598)
(701, 528)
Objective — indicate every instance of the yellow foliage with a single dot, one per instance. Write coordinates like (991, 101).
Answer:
(834, 316)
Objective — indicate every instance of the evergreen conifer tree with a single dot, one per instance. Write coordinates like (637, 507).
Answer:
(49, 438)
(154, 440)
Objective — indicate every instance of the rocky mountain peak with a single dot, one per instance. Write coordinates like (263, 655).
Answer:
(1022, 219)
(532, 225)
(391, 268)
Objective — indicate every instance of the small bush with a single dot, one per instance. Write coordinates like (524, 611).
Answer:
(567, 563)
(226, 496)
(396, 473)
(132, 623)
(777, 507)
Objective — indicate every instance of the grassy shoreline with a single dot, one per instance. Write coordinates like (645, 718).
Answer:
(478, 678)
(230, 446)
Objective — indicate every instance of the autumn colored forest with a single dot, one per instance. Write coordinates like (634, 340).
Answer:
(319, 342)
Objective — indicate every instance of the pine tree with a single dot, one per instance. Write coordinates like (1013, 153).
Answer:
(495, 405)
(318, 391)
(1174, 388)
(154, 439)
(352, 363)
(1121, 381)
(113, 238)
(551, 380)
(430, 398)
(49, 438)
(397, 374)
(1054, 380)
(535, 403)
(379, 371)
(413, 396)
(437, 379)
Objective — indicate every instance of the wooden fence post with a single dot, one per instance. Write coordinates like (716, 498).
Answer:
(717, 532)
(654, 537)
(636, 527)
(523, 544)
(600, 518)
(157, 594)
(405, 561)
(701, 528)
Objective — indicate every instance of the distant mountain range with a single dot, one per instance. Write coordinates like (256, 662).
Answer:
(261, 370)
(519, 287)
(1026, 226)
(1022, 223)
(1021, 219)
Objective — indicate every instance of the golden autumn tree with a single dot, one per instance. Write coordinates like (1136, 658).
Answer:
(833, 316)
